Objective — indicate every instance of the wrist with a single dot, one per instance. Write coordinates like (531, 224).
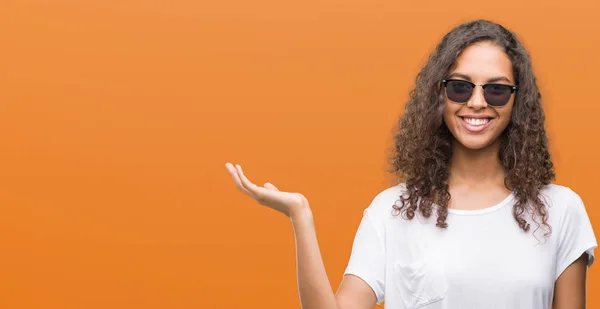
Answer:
(301, 214)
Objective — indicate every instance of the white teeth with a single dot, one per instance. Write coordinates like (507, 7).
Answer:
(476, 121)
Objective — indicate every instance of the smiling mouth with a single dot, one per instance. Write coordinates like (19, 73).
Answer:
(476, 125)
(476, 121)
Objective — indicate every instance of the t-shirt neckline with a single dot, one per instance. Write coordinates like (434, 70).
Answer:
(472, 212)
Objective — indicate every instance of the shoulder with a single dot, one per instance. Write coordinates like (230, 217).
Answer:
(559, 197)
(383, 202)
(561, 202)
(571, 225)
(558, 192)
(382, 210)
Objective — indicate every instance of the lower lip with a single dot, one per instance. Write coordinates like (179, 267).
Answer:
(475, 129)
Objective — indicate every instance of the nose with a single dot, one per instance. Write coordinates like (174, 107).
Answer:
(477, 100)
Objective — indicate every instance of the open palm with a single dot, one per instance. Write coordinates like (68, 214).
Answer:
(268, 195)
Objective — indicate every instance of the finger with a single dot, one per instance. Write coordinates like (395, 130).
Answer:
(270, 186)
(229, 167)
(236, 179)
(246, 183)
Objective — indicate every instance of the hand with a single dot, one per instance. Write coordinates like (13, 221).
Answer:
(290, 204)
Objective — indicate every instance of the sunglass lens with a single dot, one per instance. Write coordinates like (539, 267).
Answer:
(497, 95)
(458, 91)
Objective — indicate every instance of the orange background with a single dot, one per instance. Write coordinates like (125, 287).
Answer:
(116, 119)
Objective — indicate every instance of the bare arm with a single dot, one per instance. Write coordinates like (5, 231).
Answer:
(313, 285)
(314, 288)
(570, 287)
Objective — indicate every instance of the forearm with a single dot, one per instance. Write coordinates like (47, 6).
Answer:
(313, 284)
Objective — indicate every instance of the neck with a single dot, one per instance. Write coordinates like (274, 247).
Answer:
(475, 168)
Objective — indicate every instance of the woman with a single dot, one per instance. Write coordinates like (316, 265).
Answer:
(474, 221)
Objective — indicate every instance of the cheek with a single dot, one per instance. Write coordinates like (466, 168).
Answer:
(448, 111)
(505, 116)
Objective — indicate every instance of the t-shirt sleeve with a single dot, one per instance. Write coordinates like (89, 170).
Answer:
(576, 235)
(367, 260)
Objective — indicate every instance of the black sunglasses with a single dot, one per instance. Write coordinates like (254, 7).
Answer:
(460, 91)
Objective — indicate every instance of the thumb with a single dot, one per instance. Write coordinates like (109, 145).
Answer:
(270, 186)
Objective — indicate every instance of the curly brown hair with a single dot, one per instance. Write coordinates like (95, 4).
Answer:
(421, 153)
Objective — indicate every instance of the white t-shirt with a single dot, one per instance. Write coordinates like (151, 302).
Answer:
(483, 260)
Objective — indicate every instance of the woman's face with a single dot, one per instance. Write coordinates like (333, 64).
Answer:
(475, 125)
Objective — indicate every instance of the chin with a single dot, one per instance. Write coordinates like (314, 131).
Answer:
(475, 144)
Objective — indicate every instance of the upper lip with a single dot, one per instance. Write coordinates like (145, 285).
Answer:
(475, 116)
